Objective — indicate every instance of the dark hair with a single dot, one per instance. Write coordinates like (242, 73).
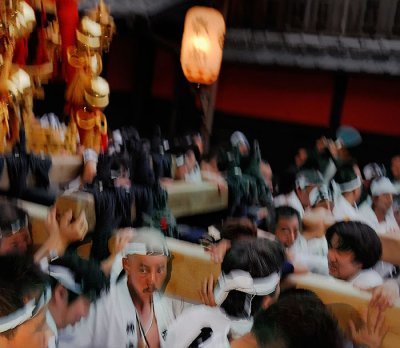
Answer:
(234, 228)
(87, 273)
(11, 215)
(297, 320)
(285, 212)
(20, 278)
(258, 256)
(345, 173)
(359, 238)
(287, 181)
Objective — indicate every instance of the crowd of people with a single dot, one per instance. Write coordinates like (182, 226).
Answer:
(324, 215)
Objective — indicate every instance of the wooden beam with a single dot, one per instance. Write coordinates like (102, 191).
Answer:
(63, 170)
(342, 295)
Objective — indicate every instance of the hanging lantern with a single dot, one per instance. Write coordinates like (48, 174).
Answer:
(202, 45)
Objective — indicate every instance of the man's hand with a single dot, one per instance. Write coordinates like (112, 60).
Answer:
(372, 333)
(207, 292)
(61, 234)
(218, 251)
(73, 231)
(122, 238)
(385, 296)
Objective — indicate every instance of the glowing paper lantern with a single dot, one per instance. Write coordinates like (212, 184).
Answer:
(202, 44)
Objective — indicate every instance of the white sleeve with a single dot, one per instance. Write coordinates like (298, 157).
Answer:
(116, 268)
(178, 306)
(188, 326)
(315, 263)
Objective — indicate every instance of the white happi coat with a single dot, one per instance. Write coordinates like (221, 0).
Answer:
(389, 225)
(344, 211)
(366, 279)
(184, 330)
(312, 253)
(112, 323)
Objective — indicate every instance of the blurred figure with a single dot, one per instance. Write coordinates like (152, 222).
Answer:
(354, 248)
(14, 232)
(266, 172)
(249, 281)
(395, 168)
(75, 284)
(379, 213)
(239, 140)
(88, 172)
(135, 312)
(298, 319)
(306, 181)
(349, 185)
(23, 303)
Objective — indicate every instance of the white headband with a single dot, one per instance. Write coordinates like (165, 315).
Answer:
(65, 277)
(381, 186)
(143, 249)
(350, 185)
(242, 281)
(25, 313)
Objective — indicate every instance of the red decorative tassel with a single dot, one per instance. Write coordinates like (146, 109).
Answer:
(21, 51)
(68, 19)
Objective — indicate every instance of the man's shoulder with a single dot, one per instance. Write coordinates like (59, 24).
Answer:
(367, 279)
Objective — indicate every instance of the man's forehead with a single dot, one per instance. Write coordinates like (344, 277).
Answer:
(285, 220)
(148, 259)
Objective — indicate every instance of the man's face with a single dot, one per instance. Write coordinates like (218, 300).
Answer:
(34, 333)
(146, 274)
(243, 149)
(304, 195)
(341, 262)
(266, 172)
(15, 243)
(75, 311)
(383, 201)
(286, 230)
(325, 204)
(396, 167)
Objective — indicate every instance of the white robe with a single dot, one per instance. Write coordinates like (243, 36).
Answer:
(53, 340)
(344, 211)
(184, 330)
(389, 225)
(311, 253)
(112, 323)
(366, 279)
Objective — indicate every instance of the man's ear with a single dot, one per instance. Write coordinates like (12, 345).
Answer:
(125, 264)
(267, 301)
(60, 294)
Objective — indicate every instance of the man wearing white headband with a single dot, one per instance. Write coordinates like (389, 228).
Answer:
(306, 181)
(249, 281)
(348, 181)
(239, 140)
(75, 284)
(379, 213)
(309, 253)
(134, 313)
(23, 303)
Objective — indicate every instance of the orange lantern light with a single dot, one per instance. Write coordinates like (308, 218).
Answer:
(202, 44)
